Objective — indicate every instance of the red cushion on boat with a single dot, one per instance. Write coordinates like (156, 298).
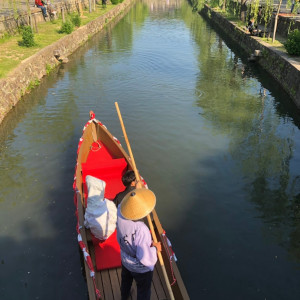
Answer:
(107, 253)
(110, 171)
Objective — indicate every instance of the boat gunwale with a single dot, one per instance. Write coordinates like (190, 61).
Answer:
(84, 145)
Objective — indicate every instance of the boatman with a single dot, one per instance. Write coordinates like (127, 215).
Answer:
(128, 180)
(138, 252)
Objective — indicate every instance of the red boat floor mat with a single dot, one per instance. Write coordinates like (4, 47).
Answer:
(101, 164)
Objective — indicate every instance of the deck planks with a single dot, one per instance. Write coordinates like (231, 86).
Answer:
(162, 280)
(107, 286)
(157, 282)
(115, 283)
(153, 293)
(97, 274)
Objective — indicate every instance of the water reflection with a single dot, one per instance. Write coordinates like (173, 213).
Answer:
(214, 138)
(162, 6)
(260, 141)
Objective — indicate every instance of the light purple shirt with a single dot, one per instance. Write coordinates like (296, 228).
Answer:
(135, 242)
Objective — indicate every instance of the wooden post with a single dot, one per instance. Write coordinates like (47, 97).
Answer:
(35, 24)
(80, 9)
(63, 14)
(30, 21)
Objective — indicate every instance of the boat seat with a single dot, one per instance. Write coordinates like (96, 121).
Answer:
(110, 171)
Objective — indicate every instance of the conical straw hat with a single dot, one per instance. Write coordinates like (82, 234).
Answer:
(138, 204)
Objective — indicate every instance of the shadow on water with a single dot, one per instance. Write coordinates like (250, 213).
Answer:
(263, 152)
(41, 258)
(247, 207)
(237, 256)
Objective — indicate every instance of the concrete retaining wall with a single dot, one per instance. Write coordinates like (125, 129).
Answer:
(281, 66)
(15, 85)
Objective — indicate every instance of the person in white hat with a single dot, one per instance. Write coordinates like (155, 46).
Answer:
(138, 252)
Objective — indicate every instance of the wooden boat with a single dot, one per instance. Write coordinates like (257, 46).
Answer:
(101, 155)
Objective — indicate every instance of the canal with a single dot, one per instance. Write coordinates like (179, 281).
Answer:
(214, 136)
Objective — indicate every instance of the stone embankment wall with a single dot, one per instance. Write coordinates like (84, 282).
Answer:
(286, 24)
(281, 66)
(31, 70)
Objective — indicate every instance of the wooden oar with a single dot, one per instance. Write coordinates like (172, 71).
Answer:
(137, 176)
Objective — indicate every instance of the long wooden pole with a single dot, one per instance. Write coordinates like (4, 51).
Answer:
(137, 176)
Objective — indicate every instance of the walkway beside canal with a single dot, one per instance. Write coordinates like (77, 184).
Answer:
(284, 68)
(8, 8)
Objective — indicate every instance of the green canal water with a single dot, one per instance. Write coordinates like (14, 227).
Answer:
(213, 135)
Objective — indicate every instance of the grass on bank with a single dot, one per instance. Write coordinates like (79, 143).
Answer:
(11, 54)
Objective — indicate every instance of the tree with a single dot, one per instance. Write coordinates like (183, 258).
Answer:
(243, 12)
(276, 20)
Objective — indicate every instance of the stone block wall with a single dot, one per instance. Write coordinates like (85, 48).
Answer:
(287, 24)
(283, 68)
(15, 85)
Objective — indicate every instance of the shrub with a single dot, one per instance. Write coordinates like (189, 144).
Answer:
(76, 20)
(67, 27)
(27, 37)
(114, 2)
(292, 45)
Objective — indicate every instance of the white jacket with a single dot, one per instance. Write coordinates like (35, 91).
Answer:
(101, 214)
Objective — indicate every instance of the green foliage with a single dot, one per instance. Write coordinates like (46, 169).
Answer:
(76, 20)
(264, 53)
(292, 45)
(5, 37)
(114, 2)
(27, 37)
(33, 84)
(53, 21)
(214, 3)
(254, 10)
(66, 27)
(49, 68)
(234, 8)
(267, 12)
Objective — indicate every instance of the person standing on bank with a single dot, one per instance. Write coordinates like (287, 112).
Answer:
(40, 4)
(138, 252)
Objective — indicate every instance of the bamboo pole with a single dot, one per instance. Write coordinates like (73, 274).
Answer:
(137, 176)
